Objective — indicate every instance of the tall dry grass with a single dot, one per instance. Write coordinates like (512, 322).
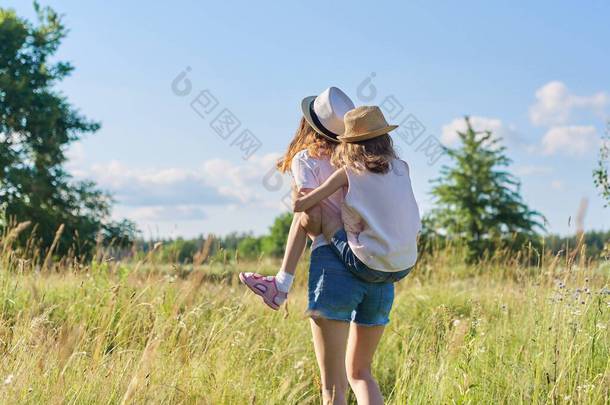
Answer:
(148, 332)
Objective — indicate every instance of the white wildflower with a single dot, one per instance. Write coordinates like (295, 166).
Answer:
(9, 379)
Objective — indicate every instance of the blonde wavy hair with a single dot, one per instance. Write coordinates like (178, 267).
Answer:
(306, 138)
(374, 155)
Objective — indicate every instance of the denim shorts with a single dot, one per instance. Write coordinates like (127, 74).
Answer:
(335, 293)
(341, 247)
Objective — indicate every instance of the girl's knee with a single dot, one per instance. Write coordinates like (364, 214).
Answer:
(311, 221)
(358, 373)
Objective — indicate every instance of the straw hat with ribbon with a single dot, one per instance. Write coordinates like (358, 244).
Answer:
(365, 122)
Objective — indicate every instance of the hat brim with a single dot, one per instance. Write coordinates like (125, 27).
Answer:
(347, 137)
(307, 109)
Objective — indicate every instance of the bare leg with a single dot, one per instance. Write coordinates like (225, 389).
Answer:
(274, 290)
(361, 346)
(295, 244)
(304, 223)
(329, 340)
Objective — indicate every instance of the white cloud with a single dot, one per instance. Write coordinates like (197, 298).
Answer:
(449, 135)
(168, 213)
(155, 187)
(555, 104)
(243, 182)
(168, 195)
(216, 181)
(570, 140)
(532, 170)
(557, 185)
(76, 159)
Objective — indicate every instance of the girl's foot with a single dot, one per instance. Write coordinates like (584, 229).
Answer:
(266, 287)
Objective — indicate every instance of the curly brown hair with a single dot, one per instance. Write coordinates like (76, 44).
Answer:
(374, 155)
(306, 138)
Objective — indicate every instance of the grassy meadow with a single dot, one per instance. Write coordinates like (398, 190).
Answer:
(146, 332)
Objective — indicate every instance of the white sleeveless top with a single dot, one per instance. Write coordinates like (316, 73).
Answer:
(381, 218)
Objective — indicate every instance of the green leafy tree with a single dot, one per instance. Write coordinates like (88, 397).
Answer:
(180, 250)
(274, 243)
(600, 174)
(250, 247)
(37, 124)
(477, 199)
(595, 242)
(121, 234)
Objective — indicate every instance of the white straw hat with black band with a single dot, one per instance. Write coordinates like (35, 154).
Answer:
(325, 112)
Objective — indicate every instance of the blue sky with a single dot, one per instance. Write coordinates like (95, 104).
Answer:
(536, 73)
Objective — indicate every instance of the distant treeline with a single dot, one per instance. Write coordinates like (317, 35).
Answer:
(235, 244)
(596, 243)
(250, 247)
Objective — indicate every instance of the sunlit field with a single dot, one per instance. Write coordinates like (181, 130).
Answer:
(140, 174)
(145, 332)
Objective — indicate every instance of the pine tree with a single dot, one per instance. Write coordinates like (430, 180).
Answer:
(477, 199)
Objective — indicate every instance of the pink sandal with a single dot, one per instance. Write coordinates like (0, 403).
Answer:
(265, 287)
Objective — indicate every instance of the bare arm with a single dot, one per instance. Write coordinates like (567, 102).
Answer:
(337, 180)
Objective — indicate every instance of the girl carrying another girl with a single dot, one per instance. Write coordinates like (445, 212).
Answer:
(351, 288)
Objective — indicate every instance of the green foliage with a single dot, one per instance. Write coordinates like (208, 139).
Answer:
(600, 174)
(234, 244)
(120, 234)
(274, 243)
(180, 250)
(37, 124)
(479, 201)
(250, 247)
(595, 242)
